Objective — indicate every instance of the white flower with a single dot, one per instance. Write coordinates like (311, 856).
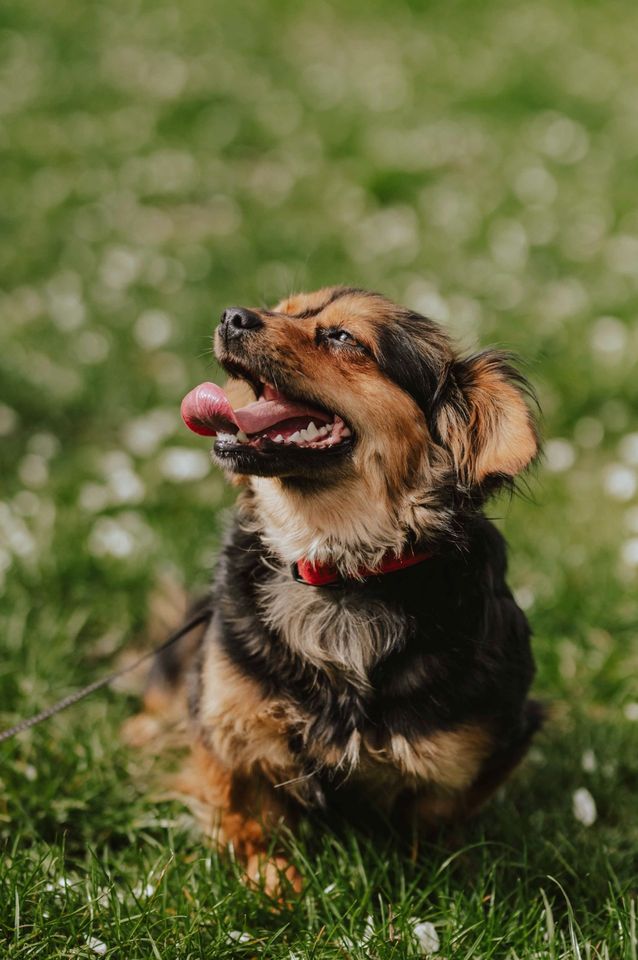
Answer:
(33, 470)
(620, 482)
(143, 435)
(108, 538)
(143, 890)
(584, 807)
(239, 936)
(120, 538)
(609, 336)
(426, 935)
(153, 329)
(125, 486)
(180, 465)
(44, 445)
(97, 946)
(631, 711)
(8, 420)
(525, 597)
(629, 552)
(628, 448)
(588, 761)
(368, 930)
(93, 497)
(589, 432)
(559, 455)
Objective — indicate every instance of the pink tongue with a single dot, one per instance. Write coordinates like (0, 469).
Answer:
(206, 410)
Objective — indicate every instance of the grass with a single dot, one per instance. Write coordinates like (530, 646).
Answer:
(162, 160)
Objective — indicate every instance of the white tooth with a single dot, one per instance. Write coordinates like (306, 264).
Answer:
(241, 436)
(279, 438)
(295, 437)
(224, 437)
(322, 431)
(346, 432)
(311, 431)
(303, 434)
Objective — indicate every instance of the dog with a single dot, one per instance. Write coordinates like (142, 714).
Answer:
(362, 640)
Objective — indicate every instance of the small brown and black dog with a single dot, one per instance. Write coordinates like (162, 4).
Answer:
(362, 640)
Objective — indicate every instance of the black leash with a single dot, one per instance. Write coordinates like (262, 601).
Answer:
(90, 688)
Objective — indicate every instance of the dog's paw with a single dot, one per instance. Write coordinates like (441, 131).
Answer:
(276, 876)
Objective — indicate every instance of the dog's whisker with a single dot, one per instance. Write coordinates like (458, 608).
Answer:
(293, 780)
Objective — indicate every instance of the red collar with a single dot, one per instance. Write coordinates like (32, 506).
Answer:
(327, 575)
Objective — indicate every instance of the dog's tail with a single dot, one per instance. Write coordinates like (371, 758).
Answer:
(166, 687)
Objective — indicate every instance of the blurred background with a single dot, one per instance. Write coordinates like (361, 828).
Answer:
(162, 160)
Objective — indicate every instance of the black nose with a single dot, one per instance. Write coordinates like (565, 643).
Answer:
(236, 321)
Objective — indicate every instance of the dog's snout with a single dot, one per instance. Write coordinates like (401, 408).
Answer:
(237, 321)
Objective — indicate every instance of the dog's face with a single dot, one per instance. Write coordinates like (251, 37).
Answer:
(341, 380)
(358, 425)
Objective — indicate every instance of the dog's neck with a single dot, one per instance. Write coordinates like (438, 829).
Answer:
(350, 527)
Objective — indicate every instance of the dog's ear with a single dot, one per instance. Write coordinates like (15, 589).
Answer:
(485, 420)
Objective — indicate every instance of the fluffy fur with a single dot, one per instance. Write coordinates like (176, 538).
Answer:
(408, 687)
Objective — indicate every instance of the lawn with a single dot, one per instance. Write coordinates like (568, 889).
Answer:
(163, 160)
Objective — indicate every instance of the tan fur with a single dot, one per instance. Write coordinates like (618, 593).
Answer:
(499, 437)
(241, 728)
(237, 819)
(450, 759)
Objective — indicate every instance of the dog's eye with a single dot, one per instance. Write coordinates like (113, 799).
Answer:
(341, 335)
(337, 335)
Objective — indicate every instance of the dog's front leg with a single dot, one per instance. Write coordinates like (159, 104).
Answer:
(240, 812)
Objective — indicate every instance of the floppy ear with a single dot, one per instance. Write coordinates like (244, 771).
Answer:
(486, 422)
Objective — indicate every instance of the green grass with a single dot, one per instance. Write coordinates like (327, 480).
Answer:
(162, 160)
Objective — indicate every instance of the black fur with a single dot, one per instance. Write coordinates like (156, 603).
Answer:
(464, 658)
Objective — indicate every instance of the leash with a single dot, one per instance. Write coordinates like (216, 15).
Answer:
(90, 688)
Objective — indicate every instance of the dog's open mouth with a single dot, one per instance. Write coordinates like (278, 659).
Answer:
(272, 419)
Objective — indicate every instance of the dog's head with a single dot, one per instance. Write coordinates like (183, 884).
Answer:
(356, 404)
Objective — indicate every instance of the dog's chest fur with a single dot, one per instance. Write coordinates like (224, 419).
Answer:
(336, 635)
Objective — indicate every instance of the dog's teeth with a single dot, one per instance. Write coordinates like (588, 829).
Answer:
(322, 431)
(346, 432)
(279, 438)
(241, 436)
(294, 437)
(225, 437)
(311, 431)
